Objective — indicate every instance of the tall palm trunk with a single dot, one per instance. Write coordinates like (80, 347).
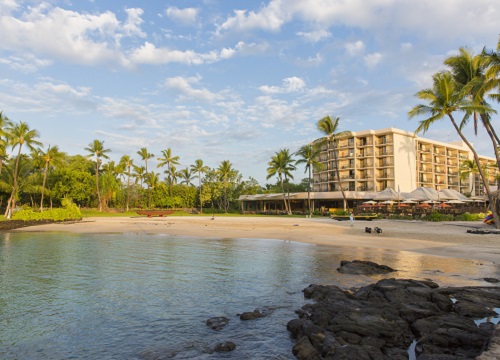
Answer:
(43, 184)
(284, 195)
(12, 200)
(199, 190)
(128, 189)
(481, 173)
(494, 140)
(97, 183)
(309, 192)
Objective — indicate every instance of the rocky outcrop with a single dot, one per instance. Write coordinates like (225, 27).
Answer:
(359, 267)
(217, 323)
(383, 320)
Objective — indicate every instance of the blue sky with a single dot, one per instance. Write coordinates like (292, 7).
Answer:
(227, 80)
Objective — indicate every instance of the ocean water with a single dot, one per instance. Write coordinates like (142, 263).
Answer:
(138, 296)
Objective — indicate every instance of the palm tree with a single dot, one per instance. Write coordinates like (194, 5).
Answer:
(127, 162)
(468, 168)
(96, 149)
(169, 160)
(145, 155)
(18, 135)
(445, 98)
(280, 166)
(139, 174)
(199, 168)
(328, 127)
(309, 155)
(152, 179)
(468, 71)
(4, 123)
(225, 171)
(51, 157)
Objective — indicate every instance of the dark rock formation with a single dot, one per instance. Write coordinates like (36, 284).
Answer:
(251, 315)
(225, 347)
(359, 267)
(382, 320)
(217, 323)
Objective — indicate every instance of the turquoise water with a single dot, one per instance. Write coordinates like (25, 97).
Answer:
(133, 296)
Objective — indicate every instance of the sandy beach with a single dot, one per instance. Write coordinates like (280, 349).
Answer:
(448, 239)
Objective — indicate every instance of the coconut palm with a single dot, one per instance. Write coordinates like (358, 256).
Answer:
(445, 98)
(492, 62)
(309, 155)
(280, 166)
(127, 162)
(199, 168)
(468, 71)
(152, 179)
(467, 168)
(169, 160)
(51, 157)
(145, 155)
(4, 123)
(19, 134)
(225, 172)
(328, 127)
(139, 174)
(97, 150)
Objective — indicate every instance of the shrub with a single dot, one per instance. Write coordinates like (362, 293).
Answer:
(69, 212)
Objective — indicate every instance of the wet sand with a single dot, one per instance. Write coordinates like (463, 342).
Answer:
(448, 239)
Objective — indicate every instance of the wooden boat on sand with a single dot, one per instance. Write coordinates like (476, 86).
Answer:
(151, 213)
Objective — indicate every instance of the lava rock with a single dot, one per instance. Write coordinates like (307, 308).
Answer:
(359, 267)
(217, 323)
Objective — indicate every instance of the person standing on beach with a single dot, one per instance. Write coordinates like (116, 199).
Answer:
(351, 217)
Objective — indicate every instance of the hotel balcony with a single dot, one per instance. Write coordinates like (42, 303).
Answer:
(425, 160)
(381, 164)
(362, 144)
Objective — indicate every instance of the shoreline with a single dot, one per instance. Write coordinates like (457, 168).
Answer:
(446, 239)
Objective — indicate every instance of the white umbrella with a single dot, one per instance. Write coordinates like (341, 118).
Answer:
(409, 201)
(370, 202)
(388, 202)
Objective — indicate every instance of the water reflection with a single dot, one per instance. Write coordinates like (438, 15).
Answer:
(138, 296)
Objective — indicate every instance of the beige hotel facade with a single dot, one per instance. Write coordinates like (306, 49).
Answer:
(373, 160)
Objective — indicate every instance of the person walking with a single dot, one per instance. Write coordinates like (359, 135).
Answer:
(351, 217)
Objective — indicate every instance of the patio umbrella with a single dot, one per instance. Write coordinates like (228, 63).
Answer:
(366, 205)
(371, 202)
(424, 205)
(388, 202)
(403, 205)
(443, 205)
(409, 201)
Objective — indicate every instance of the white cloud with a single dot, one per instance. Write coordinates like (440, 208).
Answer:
(25, 63)
(270, 17)
(355, 48)
(406, 16)
(184, 16)
(292, 84)
(150, 54)
(372, 60)
(315, 36)
(78, 37)
(184, 86)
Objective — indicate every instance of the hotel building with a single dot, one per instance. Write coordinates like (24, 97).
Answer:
(373, 160)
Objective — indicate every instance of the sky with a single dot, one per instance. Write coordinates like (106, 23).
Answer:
(228, 80)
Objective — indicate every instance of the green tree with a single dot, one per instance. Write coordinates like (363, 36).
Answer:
(200, 168)
(309, 155)
(225, 172)
(127, 162)
(19, 134)
(444, 99)
(4, 123)
(468, 168)
(328, 127)
(51, 157)
(97, 150)
(169, 160)
(468, 71)
(280, 166)
(145, 156)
